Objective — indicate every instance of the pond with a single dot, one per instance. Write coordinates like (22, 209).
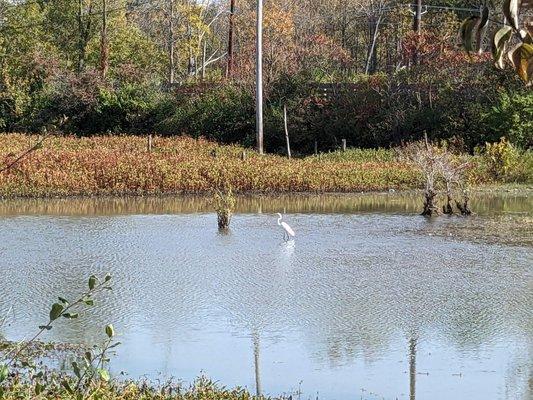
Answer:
(371, 301)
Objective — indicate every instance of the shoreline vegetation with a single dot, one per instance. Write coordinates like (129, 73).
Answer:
(66, 166)
(36, 378)
(202, 388)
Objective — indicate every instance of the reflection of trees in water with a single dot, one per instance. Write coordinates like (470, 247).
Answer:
(412, 368)
(519, 374)
(356, 310)
(301, 203)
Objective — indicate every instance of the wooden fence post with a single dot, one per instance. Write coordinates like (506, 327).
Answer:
(343, 145)
(316, 148)
(149, 143)
(286, 131)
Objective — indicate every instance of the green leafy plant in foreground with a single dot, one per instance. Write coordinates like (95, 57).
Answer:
(87, 370)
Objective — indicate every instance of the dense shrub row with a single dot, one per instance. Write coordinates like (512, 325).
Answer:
(476, 106)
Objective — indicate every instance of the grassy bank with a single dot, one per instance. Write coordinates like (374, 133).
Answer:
(119, 165)
(54, 388)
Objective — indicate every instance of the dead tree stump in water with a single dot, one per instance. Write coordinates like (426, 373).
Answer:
(224, 219)
(447, 208)
(464, 206)
(430, 208)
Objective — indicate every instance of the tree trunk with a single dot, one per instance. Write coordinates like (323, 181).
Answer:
(447, 208)
(417, 23)
(104, 43)
(171, 61)
(204, 59)
(83, 33)
(430, 208)
(464, 207)
(229, 67)
(417, 27)
(371, 60)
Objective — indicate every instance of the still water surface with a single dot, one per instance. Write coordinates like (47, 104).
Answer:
(370, 301)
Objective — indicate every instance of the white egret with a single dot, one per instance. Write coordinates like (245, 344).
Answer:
(287, 230)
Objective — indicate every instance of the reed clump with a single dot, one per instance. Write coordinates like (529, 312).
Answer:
(224, 201)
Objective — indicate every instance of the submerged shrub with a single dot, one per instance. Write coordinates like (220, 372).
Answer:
(224, 206)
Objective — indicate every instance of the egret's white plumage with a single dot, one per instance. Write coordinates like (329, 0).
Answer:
(287, 229)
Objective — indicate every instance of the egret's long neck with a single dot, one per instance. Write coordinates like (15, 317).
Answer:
(279, 220)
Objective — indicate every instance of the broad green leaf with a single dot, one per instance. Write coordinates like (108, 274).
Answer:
(499, 41)
(527, 37)
(56, 311)
(63, 300)
(47, 327)
(88, 356)
(38, 389)
(481, 28)
(92, 282)
(76, 369)
(484, 17)
(104, 374)
(4, 371)
(110, 331)
(89, 302)
(521, 57)
(67, 386)
(510, 10)
(469, 31)
(107, 278)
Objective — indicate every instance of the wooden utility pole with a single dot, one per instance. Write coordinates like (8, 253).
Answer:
(229, 67)
(104, 43)
(171, 42)
(259, 77)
